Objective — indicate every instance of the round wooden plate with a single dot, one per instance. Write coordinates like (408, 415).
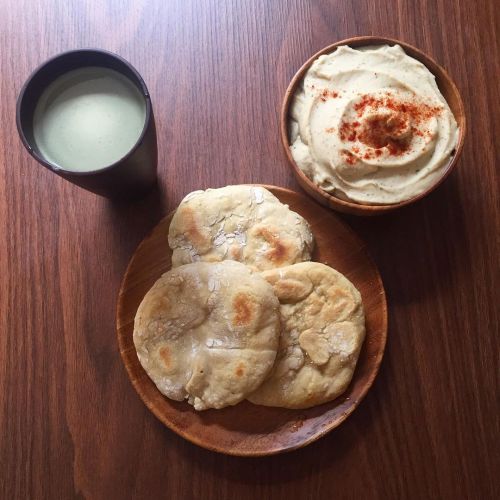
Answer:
(247, 429)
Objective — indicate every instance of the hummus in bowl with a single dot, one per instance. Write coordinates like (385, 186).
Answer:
(368, 125)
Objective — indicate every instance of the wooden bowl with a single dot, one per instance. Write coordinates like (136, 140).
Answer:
(247, 429)
(447, 88)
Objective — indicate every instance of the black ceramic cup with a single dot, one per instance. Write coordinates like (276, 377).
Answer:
(131, 176)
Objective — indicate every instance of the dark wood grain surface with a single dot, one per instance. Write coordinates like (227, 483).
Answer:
(71, 425)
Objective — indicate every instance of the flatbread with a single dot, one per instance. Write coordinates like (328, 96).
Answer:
(208, 333)
(243, 223)
(323, 328)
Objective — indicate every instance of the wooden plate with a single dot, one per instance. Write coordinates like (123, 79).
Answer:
(247, 429)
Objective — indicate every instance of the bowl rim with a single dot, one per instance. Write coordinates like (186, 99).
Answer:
(360, 41)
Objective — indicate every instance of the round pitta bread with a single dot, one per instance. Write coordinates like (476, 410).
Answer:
(243, 223)
(323, 327)
(208, 333)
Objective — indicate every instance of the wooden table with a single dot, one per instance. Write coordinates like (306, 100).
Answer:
(71, 424)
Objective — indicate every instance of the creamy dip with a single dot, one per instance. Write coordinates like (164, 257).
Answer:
(371, 126)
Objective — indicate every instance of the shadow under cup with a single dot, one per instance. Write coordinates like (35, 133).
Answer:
(132, 175)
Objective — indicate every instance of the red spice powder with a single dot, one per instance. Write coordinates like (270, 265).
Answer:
(350, 158)
(327, 94)
(347, 132)
(381, 131)
(387, 131)
(367, 101)
(416, 131)
(372, 153)
(417, 112)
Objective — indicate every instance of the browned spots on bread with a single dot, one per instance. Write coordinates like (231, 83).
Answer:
(278, 253)
(160, 305)
(285, 289)
(240, 370)
(166, 356)
(341, 303)
(290, 290)
(243, 309)
(191, 229)
(235, 253)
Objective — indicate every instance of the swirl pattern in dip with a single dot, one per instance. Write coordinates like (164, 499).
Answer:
(371, 126)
